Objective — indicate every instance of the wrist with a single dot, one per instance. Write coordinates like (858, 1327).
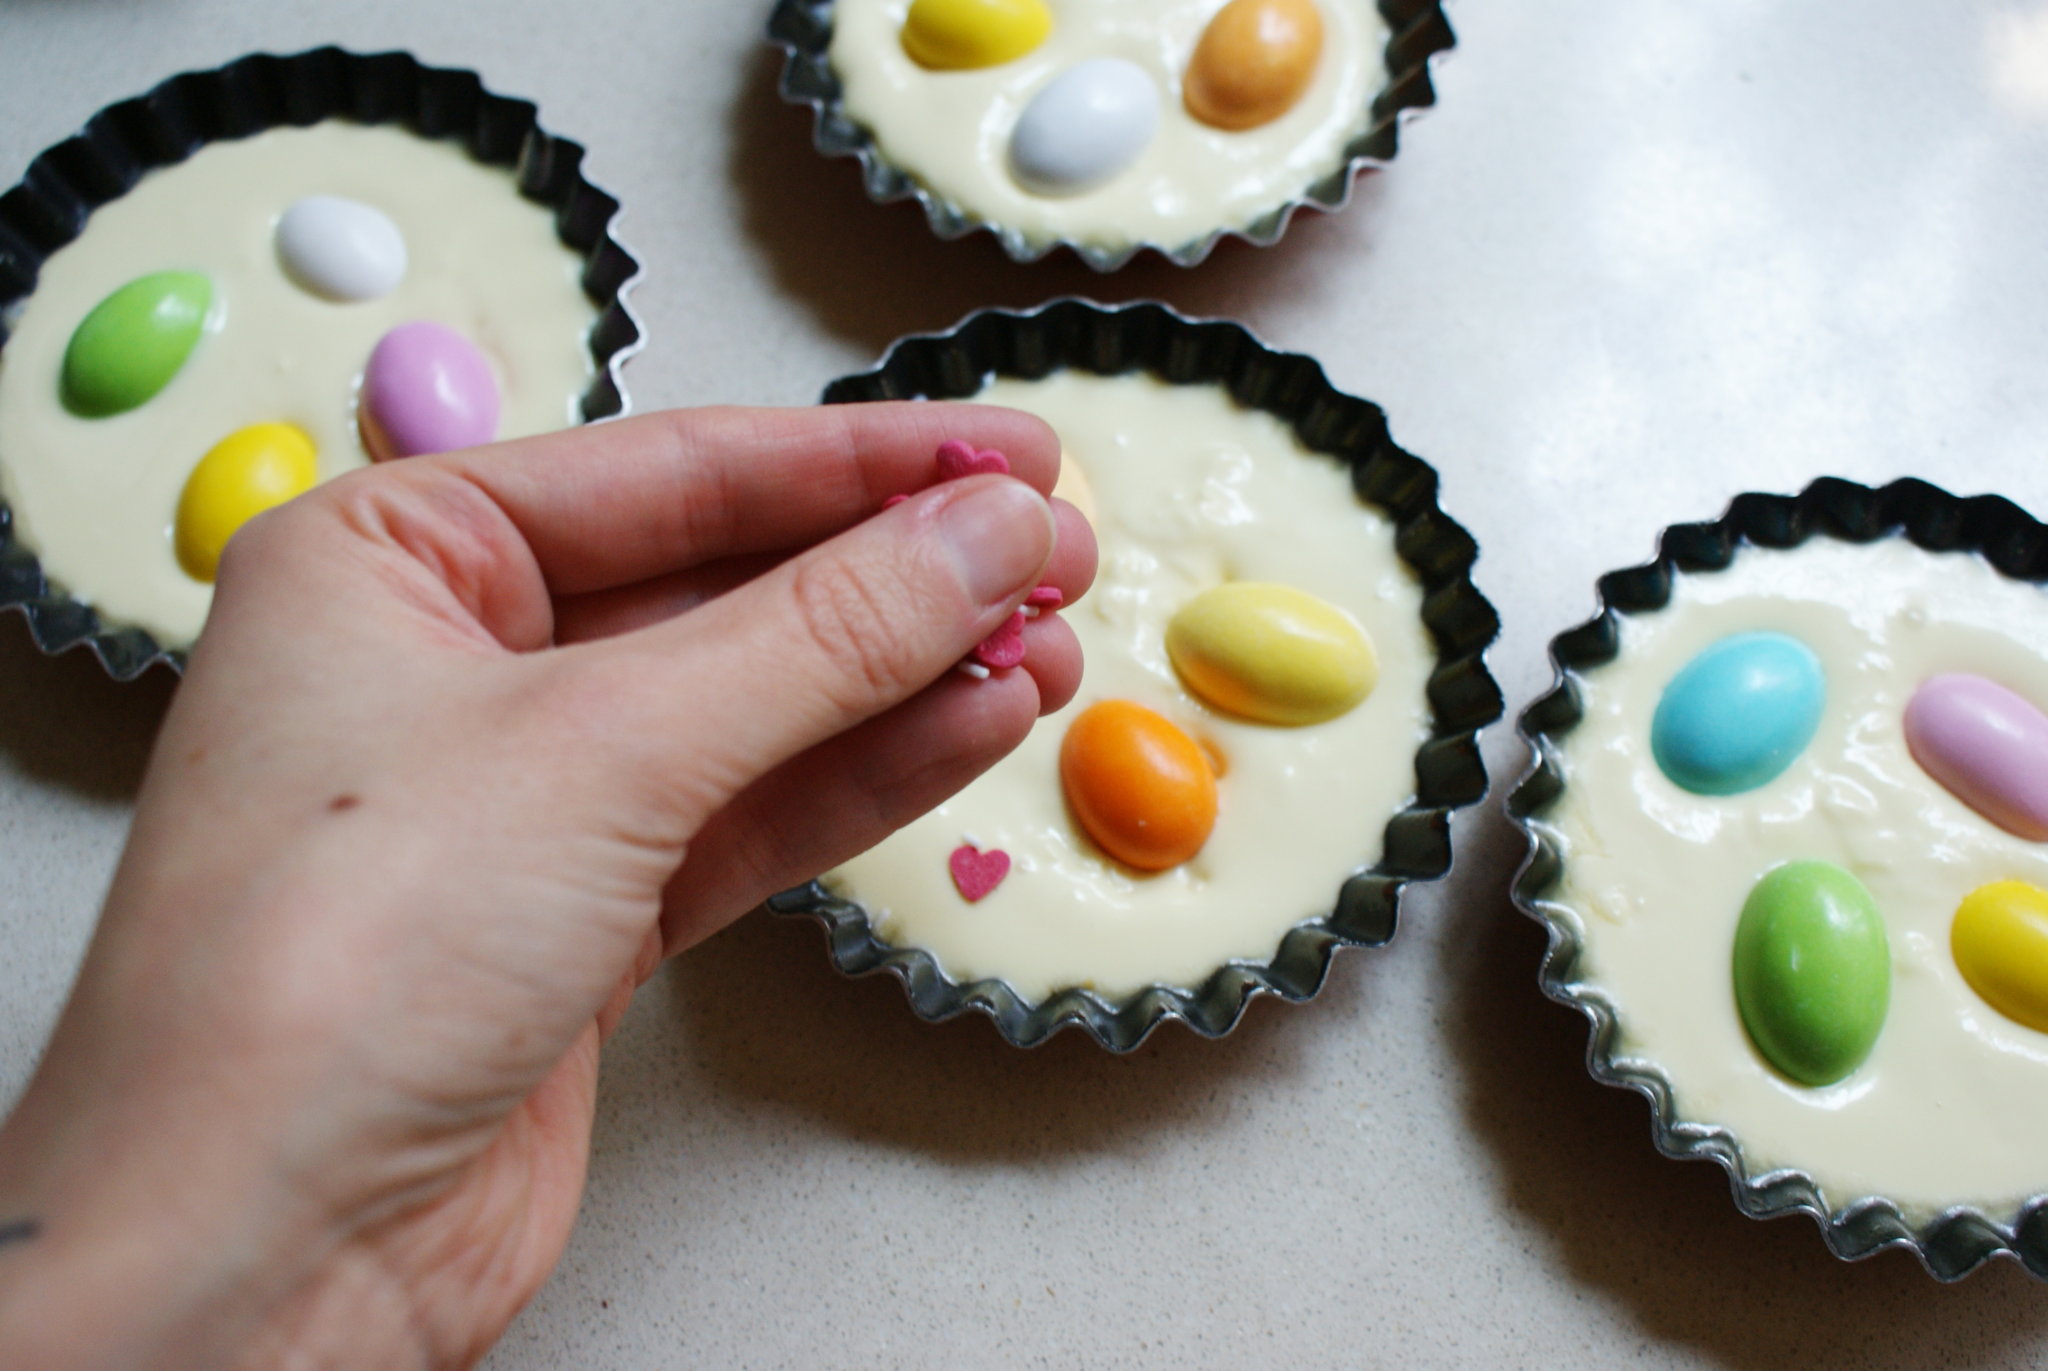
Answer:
(129, 1248)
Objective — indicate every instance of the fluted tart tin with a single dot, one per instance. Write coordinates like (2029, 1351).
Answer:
(1084, 364)
(126, 142)
(1781, 961)
(1103, 114)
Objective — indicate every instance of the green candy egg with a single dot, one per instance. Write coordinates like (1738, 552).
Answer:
(1813, 971)
(134, 342)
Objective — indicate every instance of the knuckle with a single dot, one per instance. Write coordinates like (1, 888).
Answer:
(849, 618)
(446, 524)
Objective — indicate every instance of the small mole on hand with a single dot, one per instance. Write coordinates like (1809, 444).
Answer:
(343, 803)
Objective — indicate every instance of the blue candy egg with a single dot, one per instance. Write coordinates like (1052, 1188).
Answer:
(1737, 714)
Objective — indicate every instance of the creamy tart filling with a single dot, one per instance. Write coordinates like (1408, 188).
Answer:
(1187, 490)
(1950, 1104)
(952, 129)
(95, 498)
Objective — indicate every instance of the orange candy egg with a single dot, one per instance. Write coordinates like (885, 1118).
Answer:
(1141, 787)
(1253, 63)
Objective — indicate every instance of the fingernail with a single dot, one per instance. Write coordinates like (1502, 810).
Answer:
(998, 536)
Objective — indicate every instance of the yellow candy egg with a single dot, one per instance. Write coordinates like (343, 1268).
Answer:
(1271, 653)
(247, 472)
(1254, 61)
(2000, 942)
(960, 35)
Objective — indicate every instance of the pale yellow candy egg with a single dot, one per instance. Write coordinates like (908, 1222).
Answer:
(1271, 653)
(1073, 486)
(1253, 63)
(961, 35)
(247, 472)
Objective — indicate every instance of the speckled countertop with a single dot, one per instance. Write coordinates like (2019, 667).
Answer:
(1646, 254)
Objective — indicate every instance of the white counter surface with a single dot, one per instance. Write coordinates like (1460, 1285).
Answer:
(1647, 253)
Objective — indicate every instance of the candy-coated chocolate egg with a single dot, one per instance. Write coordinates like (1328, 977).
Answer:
(2000, 942)
(340, 249)
(961, 35)
(1271, 653)
(1074, 488)
(1139, 785)
(1813, 971)
(1253, 63)
(1089, 123)
(249, 471)
(134, 342)
(1739, 713)
(427, 389)
(1987, 745)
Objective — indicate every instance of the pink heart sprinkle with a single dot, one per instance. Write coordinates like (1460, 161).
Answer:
(1045, 597)
(957, 459)
(976, 873)
(1005, 646)
(893, 501)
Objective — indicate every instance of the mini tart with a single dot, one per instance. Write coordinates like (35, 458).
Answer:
(124, 142)
(1416, 33)
(1950, 1235)
(1462, 697)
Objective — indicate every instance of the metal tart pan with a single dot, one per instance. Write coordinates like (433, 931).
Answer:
(1416, 844)
(126, 141)
(1955, 1241)
(1417, 34)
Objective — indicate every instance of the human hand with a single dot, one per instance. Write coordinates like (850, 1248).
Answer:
(469, 743)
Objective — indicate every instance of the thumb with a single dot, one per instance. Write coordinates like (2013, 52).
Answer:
(716, 698)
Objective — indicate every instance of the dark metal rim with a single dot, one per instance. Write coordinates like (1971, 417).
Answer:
(1417, 34)
(1956, 1241)
(123, 142)
(1078, 334)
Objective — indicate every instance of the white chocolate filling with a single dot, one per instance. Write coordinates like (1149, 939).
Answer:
(1190, 490)
(1952, 1104)
(95, 498)
(951, 129)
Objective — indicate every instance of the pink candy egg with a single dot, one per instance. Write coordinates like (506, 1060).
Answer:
(427, 389)
(1988, 746)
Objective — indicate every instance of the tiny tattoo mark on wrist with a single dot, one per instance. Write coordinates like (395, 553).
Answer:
(19, 1230)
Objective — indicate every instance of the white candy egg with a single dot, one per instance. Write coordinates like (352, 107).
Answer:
(1089, 123)
(341, 249)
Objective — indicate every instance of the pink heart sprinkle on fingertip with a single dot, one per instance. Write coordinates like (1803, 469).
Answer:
(957, 459)
(976, 873)
(1045, 597)
(1004, 647)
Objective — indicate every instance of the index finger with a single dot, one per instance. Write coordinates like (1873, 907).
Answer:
(615, 503)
